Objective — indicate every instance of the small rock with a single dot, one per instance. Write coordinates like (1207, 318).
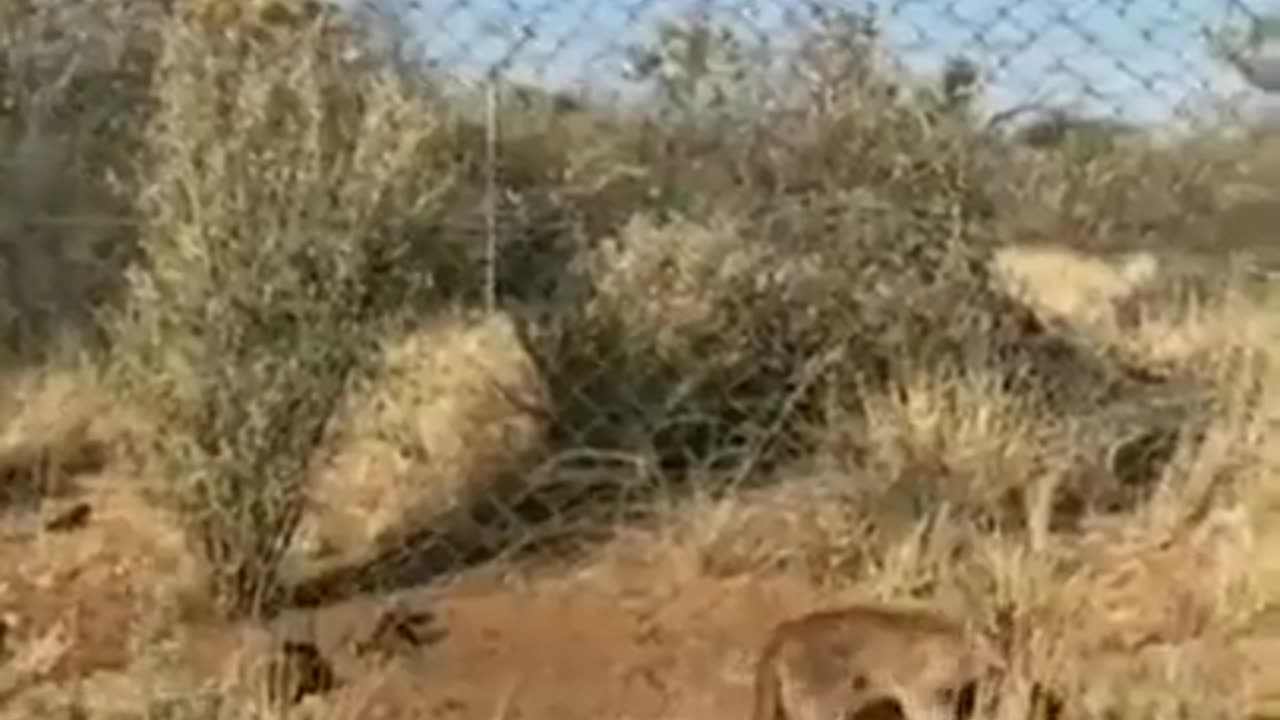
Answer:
(72, 517)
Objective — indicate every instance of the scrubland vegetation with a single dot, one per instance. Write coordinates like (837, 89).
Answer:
(745, 360)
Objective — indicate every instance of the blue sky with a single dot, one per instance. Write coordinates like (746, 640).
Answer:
(1140, 58)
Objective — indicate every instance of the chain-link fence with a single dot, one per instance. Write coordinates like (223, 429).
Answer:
(1133, 60)
(1029, 69)
(716, 229)
(612, 253)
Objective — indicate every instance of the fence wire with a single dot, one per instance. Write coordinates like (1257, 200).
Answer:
(696, 244)
(1145, 59)
(1038, 65)
(720, 225)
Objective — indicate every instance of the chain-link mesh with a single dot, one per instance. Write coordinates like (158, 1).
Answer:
(1135, 60)
(717, 228)
(1030, 69)
(652, 248)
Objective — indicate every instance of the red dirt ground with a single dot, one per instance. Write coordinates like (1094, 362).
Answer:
(641, 632)
(629, 639)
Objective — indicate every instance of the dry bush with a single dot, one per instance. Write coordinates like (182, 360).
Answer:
(574, 172)
(455, 409)
(850, 119)
(282, 187)
(218, 15)
(720, 342)
(1106, 190)
(1208, 192)
(1243, 170)
(762, 279)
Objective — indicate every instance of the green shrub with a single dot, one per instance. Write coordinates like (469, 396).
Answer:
(279, 212)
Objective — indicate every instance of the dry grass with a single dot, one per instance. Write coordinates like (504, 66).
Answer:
(728, 384)
(455, 408)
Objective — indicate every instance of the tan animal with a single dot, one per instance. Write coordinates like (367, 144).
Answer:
(857, 661)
